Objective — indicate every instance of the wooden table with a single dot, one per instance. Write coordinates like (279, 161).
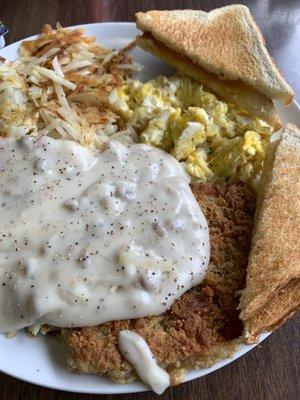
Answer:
(271, 371)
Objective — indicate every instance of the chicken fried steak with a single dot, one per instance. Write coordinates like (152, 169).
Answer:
(203, 325)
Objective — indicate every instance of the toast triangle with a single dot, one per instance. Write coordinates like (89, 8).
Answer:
(224, 41)
(272, 290)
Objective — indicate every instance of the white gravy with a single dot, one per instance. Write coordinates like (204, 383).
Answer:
(137, 352)
(88, 238)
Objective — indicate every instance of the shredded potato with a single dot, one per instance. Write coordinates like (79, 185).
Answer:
(59, 86)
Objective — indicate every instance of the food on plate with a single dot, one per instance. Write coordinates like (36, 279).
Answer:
(59, 86)
(213, 140)
(90, 238)
(223, 49)
(203, 325)
(233, 92)
(272, 292)
(128, 206)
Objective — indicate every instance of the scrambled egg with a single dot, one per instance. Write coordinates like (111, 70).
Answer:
(212, 139)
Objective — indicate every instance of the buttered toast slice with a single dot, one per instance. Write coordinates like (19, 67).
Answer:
(225, 41)
(272, 290)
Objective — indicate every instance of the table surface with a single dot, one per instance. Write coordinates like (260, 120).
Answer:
(271, 370)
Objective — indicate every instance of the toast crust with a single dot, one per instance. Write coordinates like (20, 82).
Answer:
(283, 305)
(225, 41)
(273, 275)
(236, 92)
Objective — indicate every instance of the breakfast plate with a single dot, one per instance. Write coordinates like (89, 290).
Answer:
(42, 360)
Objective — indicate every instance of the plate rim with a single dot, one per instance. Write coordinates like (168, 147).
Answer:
(241, 350)
(34, 36)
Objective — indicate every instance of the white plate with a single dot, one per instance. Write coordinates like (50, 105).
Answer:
(42, 360)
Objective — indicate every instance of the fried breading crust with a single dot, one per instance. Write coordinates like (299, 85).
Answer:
(203, 325)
